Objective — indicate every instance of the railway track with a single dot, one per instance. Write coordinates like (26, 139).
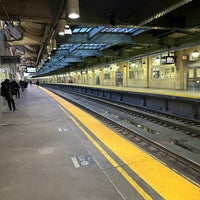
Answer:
(188, 126)
(147, 129)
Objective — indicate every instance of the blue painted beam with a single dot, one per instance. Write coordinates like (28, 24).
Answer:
(72, 59)
(138, 31)
(95, 31)
(75, 46)
(102, 38)
(61, 52)
(85, 53)
(113, 38)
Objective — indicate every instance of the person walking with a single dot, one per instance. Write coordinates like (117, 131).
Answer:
(7, 92)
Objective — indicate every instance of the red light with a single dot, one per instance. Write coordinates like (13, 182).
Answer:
(184, 57)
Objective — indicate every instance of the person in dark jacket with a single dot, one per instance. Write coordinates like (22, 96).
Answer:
(22, 85)
(7, 91)
(16, 88)
(37, 83)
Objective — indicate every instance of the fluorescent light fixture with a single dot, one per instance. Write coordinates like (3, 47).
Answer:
(73, 9)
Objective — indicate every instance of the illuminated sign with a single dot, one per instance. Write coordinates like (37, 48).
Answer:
(168, 60)
(184, 57)
(31, 70)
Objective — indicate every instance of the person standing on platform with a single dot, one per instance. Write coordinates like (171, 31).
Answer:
(7, 91)
(22, 85)
(37, 83)
(16, 88)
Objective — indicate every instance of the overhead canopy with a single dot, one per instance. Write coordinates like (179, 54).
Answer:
(105, 31)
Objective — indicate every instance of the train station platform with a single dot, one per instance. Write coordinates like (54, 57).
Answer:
(168, 92)
(50, 150)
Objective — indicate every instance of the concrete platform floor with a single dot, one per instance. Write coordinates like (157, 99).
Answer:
(37, 146)
(52, 150)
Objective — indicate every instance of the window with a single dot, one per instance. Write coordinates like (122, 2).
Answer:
(135, 69)
(163, 68)
(131, 74)
(155, 73)
(198, 72)
(139, 74)
(191, 73)
(107, 76)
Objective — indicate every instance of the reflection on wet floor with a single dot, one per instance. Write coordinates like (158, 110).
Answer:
(183, 144)
(147, 129)
(179, 143)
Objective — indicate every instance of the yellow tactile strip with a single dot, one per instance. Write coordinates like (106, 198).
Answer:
(163, 180)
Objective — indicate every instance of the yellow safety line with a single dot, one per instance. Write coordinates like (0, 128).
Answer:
(112, 161)
(165, 181)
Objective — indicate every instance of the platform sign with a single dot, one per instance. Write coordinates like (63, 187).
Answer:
(10, 60)
(82, 160)
(31, 69)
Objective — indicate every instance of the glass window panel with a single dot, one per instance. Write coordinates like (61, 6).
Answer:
(107, 76)
(155, 73)
(191, 73)
(198, 72)
(131, 74)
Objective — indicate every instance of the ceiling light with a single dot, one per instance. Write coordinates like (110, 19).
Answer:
(45, 56)
(54, 46)
(1, 24)
(48, 49)
(195, 54)
(61, 26)
(157, 59)
(61, 33)
(73, 9)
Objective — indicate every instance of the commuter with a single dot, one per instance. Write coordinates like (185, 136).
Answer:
(37, 83)
(16, 88)
(25, 83)
(7, 92)
(22, 85)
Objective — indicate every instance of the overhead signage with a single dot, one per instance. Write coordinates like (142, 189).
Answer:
(168, 60)
(10, 60)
